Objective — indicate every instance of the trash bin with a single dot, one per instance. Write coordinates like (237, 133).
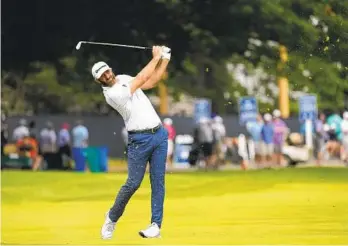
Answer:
(103, 159)
(92, 157)
(96, 158)
(79, 159)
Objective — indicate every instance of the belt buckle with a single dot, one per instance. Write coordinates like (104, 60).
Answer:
(153, 130)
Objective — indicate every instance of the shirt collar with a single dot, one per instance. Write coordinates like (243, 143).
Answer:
(105, 88)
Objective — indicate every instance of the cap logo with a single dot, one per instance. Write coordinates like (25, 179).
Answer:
(96, 71)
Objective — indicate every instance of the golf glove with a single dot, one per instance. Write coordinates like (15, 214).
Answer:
(166, 53)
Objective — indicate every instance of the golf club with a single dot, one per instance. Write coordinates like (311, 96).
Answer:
(78, 46)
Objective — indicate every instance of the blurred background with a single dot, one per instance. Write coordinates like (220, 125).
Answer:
(233, 63)
(255, 101)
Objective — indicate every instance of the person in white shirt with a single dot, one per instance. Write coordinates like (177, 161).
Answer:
(48, 139)
(20, 131)
(147, 138)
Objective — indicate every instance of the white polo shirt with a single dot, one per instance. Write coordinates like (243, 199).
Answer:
(136, 110)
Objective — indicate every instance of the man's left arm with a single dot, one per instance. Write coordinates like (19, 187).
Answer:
(157, 75)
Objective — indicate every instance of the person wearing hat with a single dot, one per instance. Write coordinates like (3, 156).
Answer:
(147, 138)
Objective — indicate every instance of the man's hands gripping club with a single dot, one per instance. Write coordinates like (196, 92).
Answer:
(149, 75)
(162, 51)
(166, 53)
(161, 68)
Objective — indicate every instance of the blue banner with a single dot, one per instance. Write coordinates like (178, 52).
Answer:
(308, 109)
(248, 109)
(202, 109)
(183, 146)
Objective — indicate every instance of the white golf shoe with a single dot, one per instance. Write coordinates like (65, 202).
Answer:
(108, 228)
(153, 231)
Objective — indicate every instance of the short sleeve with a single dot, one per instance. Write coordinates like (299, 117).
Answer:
(124, 78)
(118, 94)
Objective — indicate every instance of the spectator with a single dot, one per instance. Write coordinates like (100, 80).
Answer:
(333, 146)
(20, 131)
(28, 147)
(280, 131)
(48, 145)
(267, 135)
(344, 130)
(205, 140)
(80, 135)
(219, 131)
(254, 129)
(64, 145)
(195, 151)
(320, 137)
(48, 138)
(331, 131)
(168, 124)
(334, 121)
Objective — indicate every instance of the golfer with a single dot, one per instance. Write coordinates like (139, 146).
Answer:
(147, 139)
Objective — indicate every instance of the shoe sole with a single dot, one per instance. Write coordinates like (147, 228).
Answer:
(144, 236)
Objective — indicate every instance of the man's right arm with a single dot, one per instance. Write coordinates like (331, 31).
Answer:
(147, 71)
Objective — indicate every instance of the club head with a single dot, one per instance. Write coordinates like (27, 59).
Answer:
(78, 46)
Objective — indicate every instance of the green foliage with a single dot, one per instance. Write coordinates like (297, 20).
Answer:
(204, 36)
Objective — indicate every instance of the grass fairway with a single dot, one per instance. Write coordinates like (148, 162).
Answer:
(287, 206)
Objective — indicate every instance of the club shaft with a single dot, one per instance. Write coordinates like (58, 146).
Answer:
(119, 45)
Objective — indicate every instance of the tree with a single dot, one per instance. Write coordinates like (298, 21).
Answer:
(204, 36)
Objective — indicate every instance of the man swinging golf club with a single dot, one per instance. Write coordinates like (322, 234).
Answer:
(147, 139)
